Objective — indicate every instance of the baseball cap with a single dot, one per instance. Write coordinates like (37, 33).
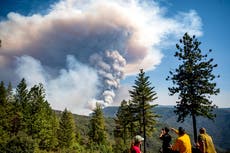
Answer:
(138, 138)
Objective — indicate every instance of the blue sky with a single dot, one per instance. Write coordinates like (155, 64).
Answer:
(54, 42)
(215, 16)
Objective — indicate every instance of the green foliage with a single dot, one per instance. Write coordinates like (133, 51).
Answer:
(193, 81)
(4, 138)
(20, 143)
(27, 112)
(5, 116)
(97, 133)
(124, 122)
(41, 124)
(136, 116)
(121, 146)
(21, 107)
(99, 148)
(141, 96)
(66, 131)
(5, 108)
(21, 97)
(18, 133)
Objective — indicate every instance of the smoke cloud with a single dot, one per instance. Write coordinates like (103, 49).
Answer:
(80, 50)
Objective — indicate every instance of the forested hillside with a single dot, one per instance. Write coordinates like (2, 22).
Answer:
(28, 124)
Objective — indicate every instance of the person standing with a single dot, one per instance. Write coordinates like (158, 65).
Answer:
(135, 147)
(205, 143)
(182, 143)
(166, 138)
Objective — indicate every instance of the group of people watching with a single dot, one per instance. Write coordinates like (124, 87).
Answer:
(182, 143)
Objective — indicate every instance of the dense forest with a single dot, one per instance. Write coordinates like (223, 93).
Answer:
(28, 123)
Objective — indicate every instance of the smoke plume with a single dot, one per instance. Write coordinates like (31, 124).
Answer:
(80, 50)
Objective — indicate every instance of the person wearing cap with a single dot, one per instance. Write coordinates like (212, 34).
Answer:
(137, 140)
(205, 143)
(182, 143)
(166, 138)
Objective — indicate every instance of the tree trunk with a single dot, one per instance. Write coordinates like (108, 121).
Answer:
(194, 128)
(144, 124)
(144, 133)
(124, 135)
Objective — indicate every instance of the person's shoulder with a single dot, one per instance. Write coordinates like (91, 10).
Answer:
(135, 148)
(183, 137)
(201, 135)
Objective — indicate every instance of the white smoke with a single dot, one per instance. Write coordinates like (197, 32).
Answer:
(110, 68)
(81, 50)
(73, 87)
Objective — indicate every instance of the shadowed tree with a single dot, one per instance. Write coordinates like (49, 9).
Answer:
(125, 121)
(66, 132)
(141, 96)
(194, 82)
(97, 131)
(4, 116)
(122, 121)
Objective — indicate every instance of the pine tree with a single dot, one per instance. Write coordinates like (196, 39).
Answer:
(66, 131)
(10, 109)
(10, 95)
(97, 131)
(4, 120)
(21, 107)
(123, 121)
(21, 95)
(3, 107)
(41, 125)
(194, 82)
(142, 94)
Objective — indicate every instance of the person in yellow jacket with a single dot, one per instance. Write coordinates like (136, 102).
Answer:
(205, 142)
(182, 143)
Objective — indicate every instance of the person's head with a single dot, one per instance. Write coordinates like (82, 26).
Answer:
(166, 129)
(181, 131)
(138, 139)
(202, 130)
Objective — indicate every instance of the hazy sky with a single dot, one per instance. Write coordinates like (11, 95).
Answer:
(91, 51)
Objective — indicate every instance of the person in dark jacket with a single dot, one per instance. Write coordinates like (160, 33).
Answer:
(166, 138)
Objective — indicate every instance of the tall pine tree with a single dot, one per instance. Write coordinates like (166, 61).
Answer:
(141, 96)
(194, 82)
